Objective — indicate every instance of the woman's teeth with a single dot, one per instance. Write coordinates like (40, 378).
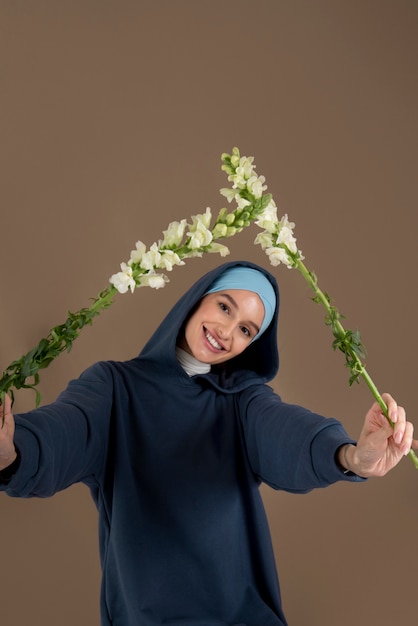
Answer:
(213, 341)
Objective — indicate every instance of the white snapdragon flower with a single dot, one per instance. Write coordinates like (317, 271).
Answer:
(199, 232)
(153, 280)
(229, 193)
(169, 259)
(256, 186)
(285, 235)
(151, 259)
(242, 203)
(245, 168)
(123, 280)
(277, 240)
(238, 182)
(137, 254)
(205, 218)
(200, 237)
(174, 234)
(190, 254)
(265, 239)
(268, 218)
(277, 256)
(243, 171)
(219, 248)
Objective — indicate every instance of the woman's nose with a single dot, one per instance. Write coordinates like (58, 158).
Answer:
(225, 330)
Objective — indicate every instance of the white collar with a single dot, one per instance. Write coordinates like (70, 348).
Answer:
(191, 365)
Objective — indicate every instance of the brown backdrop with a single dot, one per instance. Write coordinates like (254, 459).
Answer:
(113, 119)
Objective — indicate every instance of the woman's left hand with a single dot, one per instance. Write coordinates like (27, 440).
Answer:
(380, 447)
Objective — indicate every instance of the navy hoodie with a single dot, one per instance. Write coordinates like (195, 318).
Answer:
(174, 464)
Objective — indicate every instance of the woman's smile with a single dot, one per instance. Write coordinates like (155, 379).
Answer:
(212, 341)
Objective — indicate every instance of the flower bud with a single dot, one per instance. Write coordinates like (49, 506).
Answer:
(219, 231)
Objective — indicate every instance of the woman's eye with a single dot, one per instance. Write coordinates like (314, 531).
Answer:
(223, 306)
(246, 331)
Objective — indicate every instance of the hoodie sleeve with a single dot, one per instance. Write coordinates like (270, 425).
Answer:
(64, 442)
(288, 446)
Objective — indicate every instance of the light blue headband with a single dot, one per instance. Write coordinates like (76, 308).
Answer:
(252, 280)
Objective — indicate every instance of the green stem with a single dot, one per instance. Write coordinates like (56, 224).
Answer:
(59, 338)
(340, 331)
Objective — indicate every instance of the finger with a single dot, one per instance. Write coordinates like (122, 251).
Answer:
(7, 403)
(400, 425)
(383, 431)
(406, 442)
(5, 409)
(414, 444)
(392, 407)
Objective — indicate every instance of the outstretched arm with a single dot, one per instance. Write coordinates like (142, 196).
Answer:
(380, 447)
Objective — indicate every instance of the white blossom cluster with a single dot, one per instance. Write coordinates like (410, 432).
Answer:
(142, 268)
(277, 239)
(201, 237)
(183, 240)
(243, 177)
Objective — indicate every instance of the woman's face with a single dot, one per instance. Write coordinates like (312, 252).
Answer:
(223, 325)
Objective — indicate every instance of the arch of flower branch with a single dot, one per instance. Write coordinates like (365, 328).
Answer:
(183, 240)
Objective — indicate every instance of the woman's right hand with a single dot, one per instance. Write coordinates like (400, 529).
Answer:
(7, 431)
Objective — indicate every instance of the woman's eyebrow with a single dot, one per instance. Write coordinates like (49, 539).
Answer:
(235, 305)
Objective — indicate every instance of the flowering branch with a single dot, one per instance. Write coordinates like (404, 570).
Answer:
(180, 241)
(279, 243)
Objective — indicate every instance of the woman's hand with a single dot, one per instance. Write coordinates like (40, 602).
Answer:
(380, 447)
(7, 431)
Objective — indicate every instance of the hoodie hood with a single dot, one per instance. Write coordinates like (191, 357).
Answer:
(258, 363)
